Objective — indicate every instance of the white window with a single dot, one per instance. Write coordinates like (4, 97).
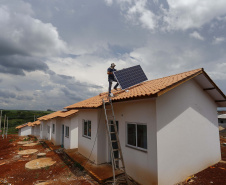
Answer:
(87, 128)
(66, 131)
(48, 129)
(53, 128)
(137, 135)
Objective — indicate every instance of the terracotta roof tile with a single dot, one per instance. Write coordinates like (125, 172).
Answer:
(61, 114)
(148, 88)
(21, 126)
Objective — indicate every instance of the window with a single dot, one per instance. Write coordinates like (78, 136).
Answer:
(66, 131)
(48, 129)
(87, 128)
(53, 128)
(137, 135)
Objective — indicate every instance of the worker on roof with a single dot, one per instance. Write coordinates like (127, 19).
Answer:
(111, 77)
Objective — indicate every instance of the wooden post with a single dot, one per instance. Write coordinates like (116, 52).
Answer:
(7, 127)
(1, 122)
(4, 128)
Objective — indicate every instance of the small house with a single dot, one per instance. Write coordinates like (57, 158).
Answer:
(60, 127)
(24, 129)
(168, 127)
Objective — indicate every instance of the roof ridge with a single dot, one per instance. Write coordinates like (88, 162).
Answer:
(199, 69)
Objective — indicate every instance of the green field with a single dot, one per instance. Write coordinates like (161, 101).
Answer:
(18, 117)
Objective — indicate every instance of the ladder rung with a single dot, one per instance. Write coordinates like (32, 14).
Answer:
(114, 150)
(117, 159)
(113, 141)
(111, 124)
(112, 132)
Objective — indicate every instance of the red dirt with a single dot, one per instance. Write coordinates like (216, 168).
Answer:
(14, 172)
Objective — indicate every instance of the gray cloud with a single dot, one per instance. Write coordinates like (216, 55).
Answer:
(7, 94)
(17, 65)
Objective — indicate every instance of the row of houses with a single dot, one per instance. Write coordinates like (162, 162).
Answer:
(168, 127)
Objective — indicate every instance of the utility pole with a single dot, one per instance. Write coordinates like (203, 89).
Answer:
(4, 128)
(7, 127)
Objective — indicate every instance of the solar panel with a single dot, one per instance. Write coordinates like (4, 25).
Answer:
(130, 76)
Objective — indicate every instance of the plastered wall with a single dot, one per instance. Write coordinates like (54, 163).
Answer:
(187, 133)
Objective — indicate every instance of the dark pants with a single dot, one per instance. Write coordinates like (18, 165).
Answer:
(110, 84)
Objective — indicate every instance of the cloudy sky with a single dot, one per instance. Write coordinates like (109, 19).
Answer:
(54, 53)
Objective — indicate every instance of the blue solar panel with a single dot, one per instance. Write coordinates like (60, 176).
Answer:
(130, 76)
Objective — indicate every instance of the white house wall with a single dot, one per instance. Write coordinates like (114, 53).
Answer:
(140, 165)
(85, 145)
(71, 141)
(37, 130)
(43, 131)
(25, 131)
(187, 133)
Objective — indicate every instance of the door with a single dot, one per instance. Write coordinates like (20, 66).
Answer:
(62, 141)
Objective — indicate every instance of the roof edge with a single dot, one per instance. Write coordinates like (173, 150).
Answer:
(163, 91)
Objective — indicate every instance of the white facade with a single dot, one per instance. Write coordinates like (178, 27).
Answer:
(187, 133)
(37, 130)
(57, 133)
(86, 144)
(43, 130)
(24, 131)
(70, 139)
(182, 135)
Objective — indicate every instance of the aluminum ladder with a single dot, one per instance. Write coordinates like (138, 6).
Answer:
(116, 152)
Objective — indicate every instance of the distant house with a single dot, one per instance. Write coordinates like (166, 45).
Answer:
(24, 129)
(222, 120)
(61, 128)
(168, 127)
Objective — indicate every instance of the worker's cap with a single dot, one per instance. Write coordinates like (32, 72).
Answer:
(113, 64)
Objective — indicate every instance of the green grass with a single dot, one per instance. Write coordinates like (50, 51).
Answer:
(19, 117)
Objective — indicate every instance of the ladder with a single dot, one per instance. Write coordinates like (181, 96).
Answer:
(116, 152)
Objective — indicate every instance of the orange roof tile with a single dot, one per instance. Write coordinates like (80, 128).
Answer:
(21, 126)
(152, 88)
(61, 114)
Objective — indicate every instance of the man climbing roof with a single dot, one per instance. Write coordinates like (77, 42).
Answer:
(111, 78)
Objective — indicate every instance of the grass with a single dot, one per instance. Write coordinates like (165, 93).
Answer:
(20, 149)
(19, 117)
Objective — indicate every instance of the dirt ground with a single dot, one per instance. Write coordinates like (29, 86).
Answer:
(65, 172)
(12, 166)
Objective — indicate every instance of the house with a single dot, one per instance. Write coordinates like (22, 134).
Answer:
(24, 129)
(168, 127)
(60, 127)
(222, 120)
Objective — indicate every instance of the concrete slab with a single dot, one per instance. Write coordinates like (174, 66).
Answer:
(27, 152)
(101, 172)
(30, 144)
(39, 163)
(23, 142)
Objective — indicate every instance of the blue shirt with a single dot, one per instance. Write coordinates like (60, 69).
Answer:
(111, 76)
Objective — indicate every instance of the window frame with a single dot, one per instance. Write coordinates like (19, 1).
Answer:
(53, 128)
(67, 132)
(87, 127)
(132, 146)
